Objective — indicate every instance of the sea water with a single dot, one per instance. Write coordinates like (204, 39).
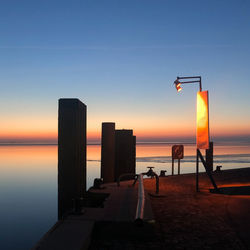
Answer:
(28, 182)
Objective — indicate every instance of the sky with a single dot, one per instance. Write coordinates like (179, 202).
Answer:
(121, 58)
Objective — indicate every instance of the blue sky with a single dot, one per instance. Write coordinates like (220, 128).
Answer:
(121, 58)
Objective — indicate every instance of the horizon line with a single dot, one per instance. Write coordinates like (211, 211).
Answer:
(137, 143)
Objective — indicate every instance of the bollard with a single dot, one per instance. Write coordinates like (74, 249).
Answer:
(218, 169)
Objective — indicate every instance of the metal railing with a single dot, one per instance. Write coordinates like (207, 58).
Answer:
(141, 199)
(141, 194)
(124, 175)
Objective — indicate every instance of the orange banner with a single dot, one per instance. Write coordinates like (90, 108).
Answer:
(202, 130)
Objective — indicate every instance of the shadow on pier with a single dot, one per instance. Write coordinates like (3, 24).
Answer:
(123, 235)
(237, 190)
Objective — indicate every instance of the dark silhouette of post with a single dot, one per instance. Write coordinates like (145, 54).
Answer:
(71, 154)
(179, 166)
(108, 152)
(133, 155)
(125, 151)
(210, 157)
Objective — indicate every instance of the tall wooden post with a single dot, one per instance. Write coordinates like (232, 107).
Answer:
(210, 157)
(197, 170)
(133, 163)
(179, 167)
(172, 166)
(71, 154)
(125, 144)
(108, 152)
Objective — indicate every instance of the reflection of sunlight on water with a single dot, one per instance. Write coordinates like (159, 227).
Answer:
(94, 152)
(159, 156)
(28, 182)
(28, 194)
(38, 164)
(93, 171)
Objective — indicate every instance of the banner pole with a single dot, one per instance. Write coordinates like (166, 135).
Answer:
(197, 171)
(172, 166)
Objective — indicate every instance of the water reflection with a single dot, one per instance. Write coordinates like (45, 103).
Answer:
(28, 183)
(28, 192)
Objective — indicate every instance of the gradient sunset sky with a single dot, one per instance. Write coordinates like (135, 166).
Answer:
(120, 58)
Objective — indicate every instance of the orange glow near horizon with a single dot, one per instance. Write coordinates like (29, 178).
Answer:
(146, 127)
(202, 136)
(157, 133)
(25, 158)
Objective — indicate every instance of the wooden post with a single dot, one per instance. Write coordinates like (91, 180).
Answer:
(125, 144)
(172, 166)
(197, 170)
(71, 154)
(108, 152)
(179, 166)
(209, 157)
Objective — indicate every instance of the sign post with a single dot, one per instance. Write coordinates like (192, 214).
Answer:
(202, 136)
(177, 153)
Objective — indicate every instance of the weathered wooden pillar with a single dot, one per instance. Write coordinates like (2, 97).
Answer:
(210, 157)
(71, 154)
(133, 164)
(124, 152)
(108, 152)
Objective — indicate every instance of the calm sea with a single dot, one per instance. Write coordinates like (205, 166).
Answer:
(28, 182)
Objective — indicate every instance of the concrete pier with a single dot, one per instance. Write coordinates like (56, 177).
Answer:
(78, 232)
(125, 151)
(71, 154)
(108, 152)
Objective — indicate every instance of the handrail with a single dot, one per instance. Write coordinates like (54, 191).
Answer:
(141, 199)
(123, 175)
(141, 194)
